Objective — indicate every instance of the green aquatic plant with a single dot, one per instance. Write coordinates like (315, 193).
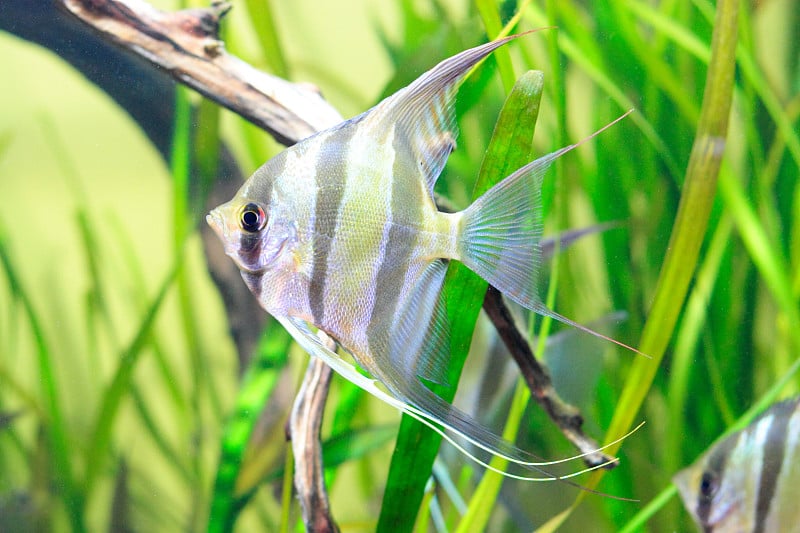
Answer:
(133, 406)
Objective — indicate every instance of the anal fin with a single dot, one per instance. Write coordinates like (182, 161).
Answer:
(419, 338)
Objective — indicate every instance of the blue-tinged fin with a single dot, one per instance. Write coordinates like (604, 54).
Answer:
(423, 112)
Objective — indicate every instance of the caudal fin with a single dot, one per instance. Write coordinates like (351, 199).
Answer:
(502, 234)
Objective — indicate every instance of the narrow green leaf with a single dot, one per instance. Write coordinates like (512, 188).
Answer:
(692, 325)
(263, 22)
(690, 225)
(56, 428)
(257, 386)
(417, 446)
(493, 24)
(138, 294)
(571, 50)
(348, 446)
(119, 387)
(515, 128)
(763, 252)
(688, 231)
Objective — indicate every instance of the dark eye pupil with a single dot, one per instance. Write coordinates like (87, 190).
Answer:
(252, 218)
(708, 485)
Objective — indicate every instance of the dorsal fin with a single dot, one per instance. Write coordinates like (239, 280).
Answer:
(423, 115)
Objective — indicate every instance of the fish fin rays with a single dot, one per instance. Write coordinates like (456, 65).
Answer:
(421, 403)
(502, 232)
(434, 360)
(416, 351)
(423, 115)
(424, 135)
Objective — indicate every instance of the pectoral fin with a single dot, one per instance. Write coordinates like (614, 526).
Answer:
(419, 336)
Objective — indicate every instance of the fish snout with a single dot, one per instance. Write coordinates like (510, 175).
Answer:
(216, 219)
(217, 223)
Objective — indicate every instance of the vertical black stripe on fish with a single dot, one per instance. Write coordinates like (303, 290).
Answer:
(399, 245)
(712, 478)
(250, 243)
(249, 249)
(772, 461)
(254, 282)
(331, 174)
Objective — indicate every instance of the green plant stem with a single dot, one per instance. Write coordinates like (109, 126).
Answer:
(690, 225)
(693, 323)
(688, 232)
(529, 89)
(463, 291)
(256, 388)
(493, 24)
(116, 390)
(56, 430)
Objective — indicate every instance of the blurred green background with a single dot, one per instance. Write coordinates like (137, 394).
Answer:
(110, 422)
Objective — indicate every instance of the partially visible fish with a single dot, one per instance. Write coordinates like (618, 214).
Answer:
(750, 481)
(341, 232)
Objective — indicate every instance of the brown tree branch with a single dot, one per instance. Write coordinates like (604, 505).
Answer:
(185, 44)
(304, 429)
(567, 417)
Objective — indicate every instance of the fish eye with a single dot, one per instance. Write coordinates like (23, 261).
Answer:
(708, 485)
(252, 218)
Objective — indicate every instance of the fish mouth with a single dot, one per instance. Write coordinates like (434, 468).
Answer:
(214, 219)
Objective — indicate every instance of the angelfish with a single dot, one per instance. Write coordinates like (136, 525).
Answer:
(340, 233)
(749, 481)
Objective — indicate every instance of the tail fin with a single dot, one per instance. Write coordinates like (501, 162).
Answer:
(502, 234)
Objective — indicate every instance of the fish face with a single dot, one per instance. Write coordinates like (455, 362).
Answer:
(253, 239)
(749, 481)
(713, 501)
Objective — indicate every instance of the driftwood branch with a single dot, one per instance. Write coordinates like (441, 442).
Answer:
(152, 49)
(567, 417)
(185, 44)
(304, 426)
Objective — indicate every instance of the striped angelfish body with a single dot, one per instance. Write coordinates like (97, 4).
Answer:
(749, 481)
(341, 232)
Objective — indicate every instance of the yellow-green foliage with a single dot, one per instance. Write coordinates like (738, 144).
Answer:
(115, 354)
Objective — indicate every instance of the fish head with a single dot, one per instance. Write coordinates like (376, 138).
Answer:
(254, 239)
(714, 492)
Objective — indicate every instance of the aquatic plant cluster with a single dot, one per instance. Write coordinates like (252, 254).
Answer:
(133, 394)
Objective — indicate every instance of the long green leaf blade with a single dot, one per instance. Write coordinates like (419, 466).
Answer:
(417, 446)
(256, 388)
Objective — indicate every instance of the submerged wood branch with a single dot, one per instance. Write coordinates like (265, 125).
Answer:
(567, 417)
(185, 44)
(304, 427)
